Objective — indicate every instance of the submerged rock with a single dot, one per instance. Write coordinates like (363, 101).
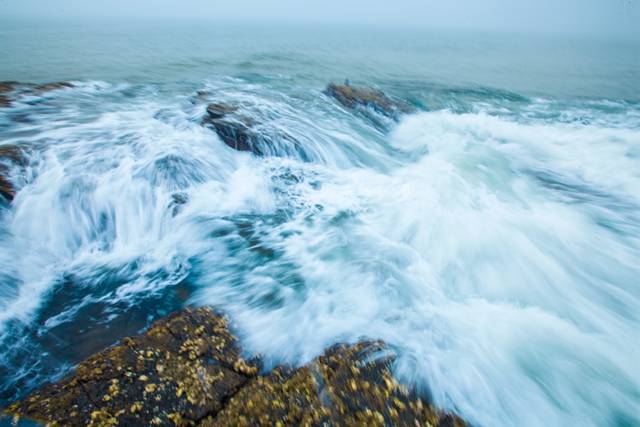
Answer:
(10, 156)
(356, 98)
(47, 87)
(5, 88)
(188, 370)
(8, 87)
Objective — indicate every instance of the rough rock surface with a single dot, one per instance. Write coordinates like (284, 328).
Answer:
(187, 370)
(246, 130)
(357, 98)
(10, 155)
(235, 129)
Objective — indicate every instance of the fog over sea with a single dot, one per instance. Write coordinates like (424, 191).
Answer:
(491, 238)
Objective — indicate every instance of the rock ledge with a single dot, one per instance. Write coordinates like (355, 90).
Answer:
(187, 369)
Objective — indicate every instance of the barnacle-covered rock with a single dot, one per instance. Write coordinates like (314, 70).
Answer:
(188, 370)
(347, 386)
(180, 371)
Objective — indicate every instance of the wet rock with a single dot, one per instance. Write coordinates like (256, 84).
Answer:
(10, 156)
(188, 370)
(5, 88)
(180, 371)
(347, 386)
(47, 87)
(235, 130)
(18, 89)
(359, 98)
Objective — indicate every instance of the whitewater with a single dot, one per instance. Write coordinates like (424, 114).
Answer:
(491, 238)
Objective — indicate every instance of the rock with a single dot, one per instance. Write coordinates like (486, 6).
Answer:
(181, 370)
(47, 87)
(349, 385)
(188, 370)
(6, 87)
(10, 156)
(27, 88)
(357, 98)
(244, 133)
(234, 129)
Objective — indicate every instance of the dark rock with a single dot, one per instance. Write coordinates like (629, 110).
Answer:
(357, 98)
(219, 110)
(6, 87)
(10, 156)
(47, 87)
(187, 370)
(235, 130)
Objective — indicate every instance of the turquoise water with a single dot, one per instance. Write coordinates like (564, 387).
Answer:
(492, 238)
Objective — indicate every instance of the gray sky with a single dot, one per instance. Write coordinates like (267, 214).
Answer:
(598, 17)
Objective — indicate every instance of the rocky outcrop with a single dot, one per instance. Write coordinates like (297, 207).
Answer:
(234, 129)
(10, 156)
(10, 87)
(188, 370)
(248, 132)
(363, 98)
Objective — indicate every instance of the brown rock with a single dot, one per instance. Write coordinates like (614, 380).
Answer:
(182, 369)
(347, 386)
(6, 87)
(10, 156)
(187, 370)
(27, 88)
(47, 87)
(355, 98)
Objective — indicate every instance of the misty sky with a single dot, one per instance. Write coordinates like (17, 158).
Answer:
(597, 17)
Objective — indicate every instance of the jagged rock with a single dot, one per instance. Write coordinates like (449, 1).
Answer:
(180, 371)
(248, 133)
(235, 130)
(357, 98)
(347, 386)
(188, 370)
(10, 155)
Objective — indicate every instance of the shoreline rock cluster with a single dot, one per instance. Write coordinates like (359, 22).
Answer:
(188, 369)
(241, 131)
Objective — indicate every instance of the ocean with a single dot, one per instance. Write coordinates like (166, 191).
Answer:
(491, 237)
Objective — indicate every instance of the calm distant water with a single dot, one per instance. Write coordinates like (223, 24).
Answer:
(492, 239)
